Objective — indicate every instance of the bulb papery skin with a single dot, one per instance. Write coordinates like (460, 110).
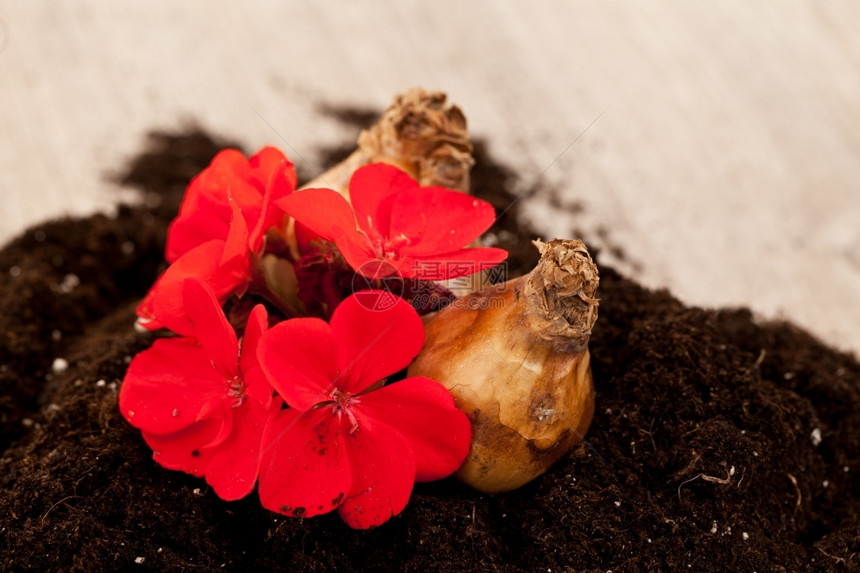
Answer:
(421, 134)
(516, 360)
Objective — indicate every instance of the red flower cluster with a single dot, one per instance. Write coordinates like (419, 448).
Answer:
(201, 403)
(219, 235)
(304, 408)
(416, 232)
(346, 444)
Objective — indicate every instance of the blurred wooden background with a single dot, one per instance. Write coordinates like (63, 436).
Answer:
(716, 143)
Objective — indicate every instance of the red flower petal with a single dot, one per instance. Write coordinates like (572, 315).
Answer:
(227, 166)
(256, 385)
(357, 251)
(270, 215)
(372, 189)
(185, 450)
(236, 249)
(373, 344)
(296, 356)
(168, 385)
(164, 305)
(211, 327)
(222, 412)
(438, 220)
(233, 469)
(232, 175)
(267, 161)
(423, 412)
(205, 213)
(304, 237)
(320, 210)
(383, 473)
(377, 300)
(203, 216)
(455, 264)
(304, 469)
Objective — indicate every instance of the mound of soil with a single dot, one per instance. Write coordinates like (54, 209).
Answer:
(718, 444)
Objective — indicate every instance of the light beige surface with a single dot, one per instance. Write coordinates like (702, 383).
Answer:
(716, 143)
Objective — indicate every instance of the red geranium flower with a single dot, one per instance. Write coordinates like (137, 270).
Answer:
(206, 212)
(345, 443)
(417, 232)
(219, 234)
(200, 403)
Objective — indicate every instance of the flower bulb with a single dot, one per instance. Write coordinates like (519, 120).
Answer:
(515, 357)
(421, 134)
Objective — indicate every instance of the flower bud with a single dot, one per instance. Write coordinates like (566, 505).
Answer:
(515, 357)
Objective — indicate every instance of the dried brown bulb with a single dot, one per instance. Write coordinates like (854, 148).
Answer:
(515, 357)
(421, 134)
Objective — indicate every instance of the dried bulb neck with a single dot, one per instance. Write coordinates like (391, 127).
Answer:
(425, 136)
(560, 293)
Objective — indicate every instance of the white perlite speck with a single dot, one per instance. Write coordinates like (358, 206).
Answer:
(59, 366)
(139, 560)
(70, 283)
(815, 436)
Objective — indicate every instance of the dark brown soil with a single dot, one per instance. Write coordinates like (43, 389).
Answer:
(719, 444)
